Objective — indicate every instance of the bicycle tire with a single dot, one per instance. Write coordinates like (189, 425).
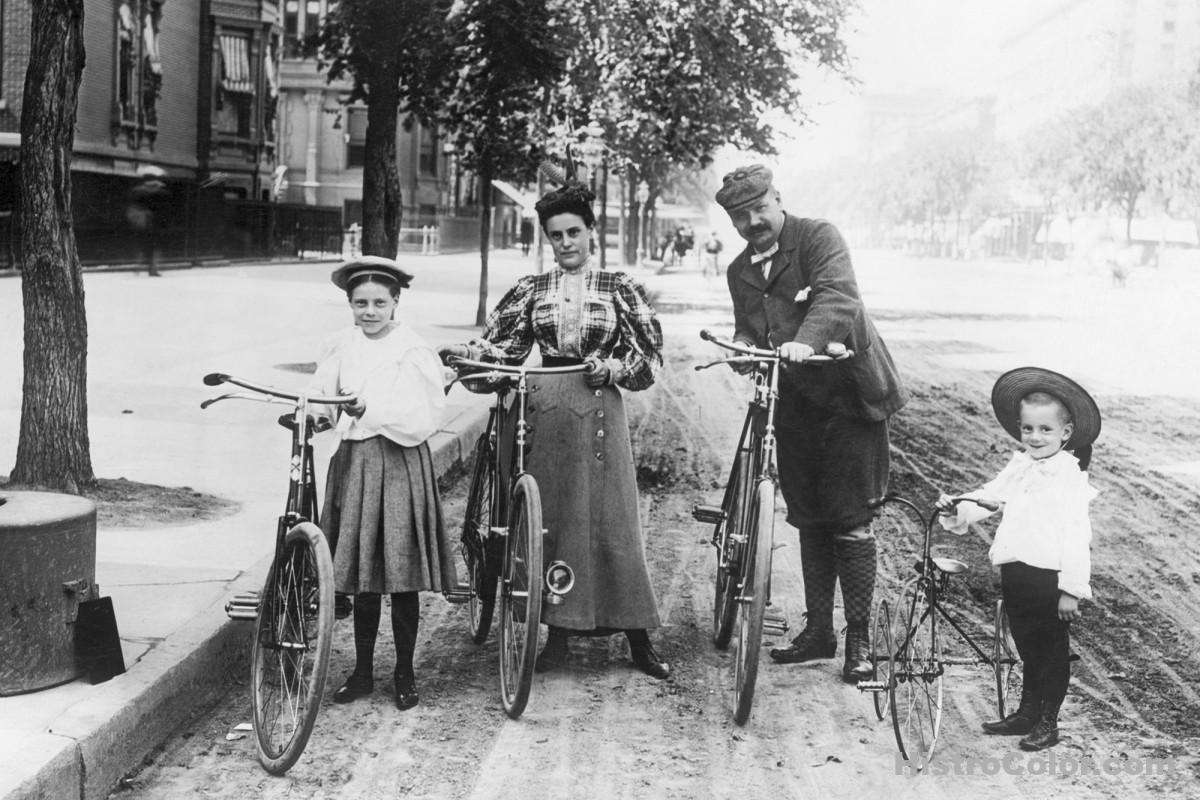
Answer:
(476, 544)
(752, 599)
(881, 658)
(290, 659)
(916, 693)
(520, 596)
(1005, 661)
(730, 549)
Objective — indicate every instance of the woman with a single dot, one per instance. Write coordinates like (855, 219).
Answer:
(382, 510)
(581, 455)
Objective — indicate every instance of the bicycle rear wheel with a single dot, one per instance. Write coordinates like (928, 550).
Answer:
(1006, 662)
(752, 598)
(881, 658)
(520, 596)
(916, 694)
(478, 549)
(731, 548)
(291, 647)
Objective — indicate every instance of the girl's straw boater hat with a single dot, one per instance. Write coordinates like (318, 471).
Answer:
(369, 265)
(1015, 384)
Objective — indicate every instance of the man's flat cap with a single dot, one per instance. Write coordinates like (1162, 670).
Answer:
(744, 185)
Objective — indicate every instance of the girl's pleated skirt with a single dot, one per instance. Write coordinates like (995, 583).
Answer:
(383, 518)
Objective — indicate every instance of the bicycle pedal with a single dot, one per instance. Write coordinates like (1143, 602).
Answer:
(775, 625)
(243, 606)
(872, 686)
(711, 515)
(459, 595)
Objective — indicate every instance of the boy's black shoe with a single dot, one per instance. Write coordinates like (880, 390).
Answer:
(812, 643)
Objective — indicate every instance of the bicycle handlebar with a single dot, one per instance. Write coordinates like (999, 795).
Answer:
(755, 354)
(218, 378)
(493, 369)
(895, 498)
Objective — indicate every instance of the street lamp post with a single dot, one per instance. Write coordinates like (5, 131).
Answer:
(643, 195)
(595, 156)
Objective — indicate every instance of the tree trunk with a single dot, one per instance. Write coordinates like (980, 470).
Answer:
(485, 241)
(53, 450)
(381, 179)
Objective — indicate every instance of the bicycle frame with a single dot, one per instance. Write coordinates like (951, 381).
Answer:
(932, 580)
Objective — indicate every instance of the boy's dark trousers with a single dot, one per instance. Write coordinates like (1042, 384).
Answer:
(1043, 640)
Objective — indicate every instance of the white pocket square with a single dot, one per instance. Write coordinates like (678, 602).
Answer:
(802, 295)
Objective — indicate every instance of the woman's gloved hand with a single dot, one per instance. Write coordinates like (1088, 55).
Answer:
(449, 351)
(598, 374)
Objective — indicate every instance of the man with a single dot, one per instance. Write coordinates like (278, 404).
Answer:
(793, 288)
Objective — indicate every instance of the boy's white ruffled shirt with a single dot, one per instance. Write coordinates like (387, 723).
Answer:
(1045, 524)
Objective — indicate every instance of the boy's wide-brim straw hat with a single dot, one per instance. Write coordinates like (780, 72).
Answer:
(1015, 384)
(375, 265)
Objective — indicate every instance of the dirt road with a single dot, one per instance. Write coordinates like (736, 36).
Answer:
(601, 729)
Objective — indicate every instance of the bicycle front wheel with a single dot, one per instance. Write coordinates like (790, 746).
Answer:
(881, 658)
(1006, 662)
(752, 598)
(916, 693)
(520, 596)
(291, 647)
(730, 549)
(478, 551)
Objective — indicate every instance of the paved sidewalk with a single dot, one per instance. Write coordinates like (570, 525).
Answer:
(150, 342)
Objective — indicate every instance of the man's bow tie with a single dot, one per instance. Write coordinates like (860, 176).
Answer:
(758, 258)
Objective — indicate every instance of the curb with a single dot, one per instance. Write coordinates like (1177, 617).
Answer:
(96, 742)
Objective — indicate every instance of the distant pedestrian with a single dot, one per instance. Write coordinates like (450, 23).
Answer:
(142, 213)
(382, 510)
(712, 255)
(526, 235)
(1042, 545)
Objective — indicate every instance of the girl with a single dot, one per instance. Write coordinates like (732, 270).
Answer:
(1042, 543)
(382, 511)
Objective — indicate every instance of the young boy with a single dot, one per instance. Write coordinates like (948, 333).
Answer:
(1041, 545)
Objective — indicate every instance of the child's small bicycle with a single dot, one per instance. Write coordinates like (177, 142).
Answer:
(744, 523)
(294, 611)
(906, 651)
(507, 556)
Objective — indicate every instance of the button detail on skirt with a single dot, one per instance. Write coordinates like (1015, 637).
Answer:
(598, 393)
(599, 456)
(600, 434)
(600, 413)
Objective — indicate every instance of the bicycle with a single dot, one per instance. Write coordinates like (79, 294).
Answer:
(745, 522)
(498, 557)
(906, 654)
(294, 612)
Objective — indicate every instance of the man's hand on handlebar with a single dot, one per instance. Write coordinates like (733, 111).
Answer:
(356, 407)
(795, 352)
(944, 505)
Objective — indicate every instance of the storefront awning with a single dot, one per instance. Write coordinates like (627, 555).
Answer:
(525, 201)
(235, 64)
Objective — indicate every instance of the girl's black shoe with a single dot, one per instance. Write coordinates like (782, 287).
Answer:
(406, 693)
(356, 686)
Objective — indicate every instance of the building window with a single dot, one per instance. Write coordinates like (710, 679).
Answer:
(301, 23)
(139, 70)
(356, 137)
(427, 159)
(235, 92)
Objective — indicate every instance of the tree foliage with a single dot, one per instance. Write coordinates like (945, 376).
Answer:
(391, 51)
